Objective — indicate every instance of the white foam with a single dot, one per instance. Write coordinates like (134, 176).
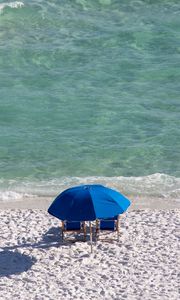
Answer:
(155, 185)
(15, 4)
(13, 196)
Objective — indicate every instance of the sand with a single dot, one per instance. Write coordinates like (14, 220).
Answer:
(35, 264)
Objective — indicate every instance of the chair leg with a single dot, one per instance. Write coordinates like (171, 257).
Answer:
(84, 231)
(118, 228)
(62, 232)
(97, 230)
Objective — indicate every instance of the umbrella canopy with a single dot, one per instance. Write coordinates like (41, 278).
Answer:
(87, 203)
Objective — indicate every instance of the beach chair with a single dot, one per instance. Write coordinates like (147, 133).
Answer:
(105, 226)
(73, 227)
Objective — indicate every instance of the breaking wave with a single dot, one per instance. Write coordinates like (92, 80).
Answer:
(15, 4)
(155, 185)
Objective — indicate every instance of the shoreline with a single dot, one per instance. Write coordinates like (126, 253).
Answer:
(136, 203)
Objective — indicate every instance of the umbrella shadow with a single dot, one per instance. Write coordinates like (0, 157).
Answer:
(51, 238)
(14, 263)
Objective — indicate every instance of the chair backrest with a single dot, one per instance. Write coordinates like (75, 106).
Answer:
(107, 224)
(72, 225)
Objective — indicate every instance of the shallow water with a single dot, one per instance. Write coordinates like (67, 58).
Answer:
(89, 88)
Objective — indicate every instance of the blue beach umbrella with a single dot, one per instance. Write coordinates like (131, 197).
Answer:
(87, 203)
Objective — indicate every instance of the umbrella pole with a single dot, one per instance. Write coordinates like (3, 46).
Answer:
(90, 228)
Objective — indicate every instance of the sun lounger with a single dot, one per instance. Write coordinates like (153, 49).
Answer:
(73, 227)
(105, 226)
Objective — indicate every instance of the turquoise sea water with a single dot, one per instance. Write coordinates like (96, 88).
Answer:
(89, 89)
